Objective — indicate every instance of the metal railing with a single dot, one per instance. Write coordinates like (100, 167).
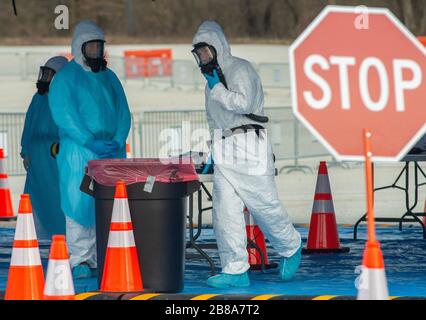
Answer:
(274, 75)
(185, 74)
(289, 139)
(12, 65)
(11, 127)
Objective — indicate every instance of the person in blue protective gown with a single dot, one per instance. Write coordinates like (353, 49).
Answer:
(89, 106)
(39, 135)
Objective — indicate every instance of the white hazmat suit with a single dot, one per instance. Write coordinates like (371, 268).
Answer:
(244, 166)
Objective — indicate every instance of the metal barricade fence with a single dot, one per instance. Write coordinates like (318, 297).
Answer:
(116, 64)
(159, 134)
(10, 65)
(311, 146)
(11, 126)
(274, 75)
(280, 132)
(180, 74)
(26, 65)
(154, 130)
(155, 126)
(160, 72)
(186, 74)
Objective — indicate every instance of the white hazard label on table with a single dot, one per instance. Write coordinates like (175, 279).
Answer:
(149, 184)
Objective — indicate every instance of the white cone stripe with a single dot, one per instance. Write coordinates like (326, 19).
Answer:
(4, 183)
(59, 279)
(323, 206)
(121, 239)
(25, 257)
(373, 285)
(323, 184)
(25, 229)
(249, 219)
(120, 211)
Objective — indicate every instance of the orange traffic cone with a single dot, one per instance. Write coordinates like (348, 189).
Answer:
(25, 280)
(128, 151)
(59, 283)
(372, 284)
(121, 269)
(323, 234)
(256, 246)
(6, 208)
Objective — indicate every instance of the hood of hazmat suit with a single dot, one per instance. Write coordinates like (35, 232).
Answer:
(47, 72)
(56, 63)
(226, 108)
(86, 106)
(85, 31)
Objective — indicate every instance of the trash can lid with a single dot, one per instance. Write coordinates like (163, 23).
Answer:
(171, 170)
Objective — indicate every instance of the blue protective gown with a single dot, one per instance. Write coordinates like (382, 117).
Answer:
(42, 182)
(86, 106)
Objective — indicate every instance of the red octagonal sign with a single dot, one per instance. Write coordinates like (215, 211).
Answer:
(355, 69)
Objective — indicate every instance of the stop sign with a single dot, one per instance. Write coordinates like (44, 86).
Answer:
(355, 69)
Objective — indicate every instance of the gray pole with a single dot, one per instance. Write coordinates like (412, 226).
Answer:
(130, 17)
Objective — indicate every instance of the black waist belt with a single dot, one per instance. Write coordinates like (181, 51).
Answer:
(257, 118)
(243, 129)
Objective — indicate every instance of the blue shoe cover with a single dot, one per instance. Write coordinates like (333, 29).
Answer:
(82, 271)
(290, 265)
(224, 280)
(94, 272)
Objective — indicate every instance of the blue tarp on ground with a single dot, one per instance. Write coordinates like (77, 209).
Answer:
(330, 274)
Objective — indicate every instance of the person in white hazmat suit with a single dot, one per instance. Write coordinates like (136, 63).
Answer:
(244, 172)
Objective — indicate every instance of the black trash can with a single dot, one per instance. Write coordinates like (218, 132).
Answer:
(158, 215)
